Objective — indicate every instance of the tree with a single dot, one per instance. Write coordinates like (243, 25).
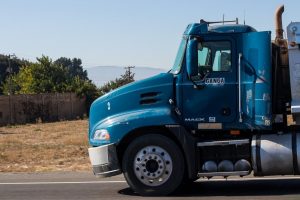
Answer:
(40, 77)
(45, 76)
(20, 83)
(85, 88)
(15, 65)
(62, 75)
(125, 78)
(73, 67)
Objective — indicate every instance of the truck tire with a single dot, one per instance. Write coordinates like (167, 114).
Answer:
(153, 165)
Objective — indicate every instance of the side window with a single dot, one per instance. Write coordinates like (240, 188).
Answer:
(214, 56)
(203, 56)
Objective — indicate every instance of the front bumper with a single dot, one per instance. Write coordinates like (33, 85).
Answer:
(104, 160)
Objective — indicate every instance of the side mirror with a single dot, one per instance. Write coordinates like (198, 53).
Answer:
(192, 58)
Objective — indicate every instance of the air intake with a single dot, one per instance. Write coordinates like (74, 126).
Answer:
(149, 98)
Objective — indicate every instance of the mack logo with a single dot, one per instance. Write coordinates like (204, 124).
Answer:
(194, 119)
(215, 81)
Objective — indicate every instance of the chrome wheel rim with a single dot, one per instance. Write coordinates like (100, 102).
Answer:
(153, 165)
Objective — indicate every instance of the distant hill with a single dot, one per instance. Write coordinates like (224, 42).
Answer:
(102, 74)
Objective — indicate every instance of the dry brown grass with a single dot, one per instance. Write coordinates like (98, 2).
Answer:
(59, 146)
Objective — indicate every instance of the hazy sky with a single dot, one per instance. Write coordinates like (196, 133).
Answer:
(124, 32)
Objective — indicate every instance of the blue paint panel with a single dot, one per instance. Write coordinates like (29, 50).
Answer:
(120, 124)
(257, 79)
(207, 105)
(135, 105)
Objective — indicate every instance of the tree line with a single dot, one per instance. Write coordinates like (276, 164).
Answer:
(20, 76)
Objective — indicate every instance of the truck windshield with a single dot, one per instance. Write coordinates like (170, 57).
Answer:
(179, 57)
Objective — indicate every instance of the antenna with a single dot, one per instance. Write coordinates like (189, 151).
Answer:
(223, 19)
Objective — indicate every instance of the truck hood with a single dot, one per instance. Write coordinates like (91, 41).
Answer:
(148, 93)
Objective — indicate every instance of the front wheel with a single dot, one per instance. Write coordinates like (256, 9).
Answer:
(153, 165)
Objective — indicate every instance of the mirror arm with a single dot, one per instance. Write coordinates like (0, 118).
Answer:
(202, 79)
(196, 86)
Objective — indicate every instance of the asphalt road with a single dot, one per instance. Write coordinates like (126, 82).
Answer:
(85, 186)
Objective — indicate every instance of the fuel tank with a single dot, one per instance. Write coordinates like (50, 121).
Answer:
(276, 154)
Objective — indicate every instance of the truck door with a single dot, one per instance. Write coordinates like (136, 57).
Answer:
(214, 101)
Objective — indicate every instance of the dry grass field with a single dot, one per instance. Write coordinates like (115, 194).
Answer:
(59, 146)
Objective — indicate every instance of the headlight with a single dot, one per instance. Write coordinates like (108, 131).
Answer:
(101, 134)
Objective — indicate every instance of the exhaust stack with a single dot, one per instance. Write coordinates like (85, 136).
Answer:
(278, 23)
(279, 40)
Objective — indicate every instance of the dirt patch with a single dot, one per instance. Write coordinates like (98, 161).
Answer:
(59, 146)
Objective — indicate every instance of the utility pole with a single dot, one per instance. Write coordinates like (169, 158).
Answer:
(129, 71)
(10, 73)
(9, 87)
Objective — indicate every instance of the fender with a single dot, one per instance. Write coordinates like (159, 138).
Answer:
(122, 123)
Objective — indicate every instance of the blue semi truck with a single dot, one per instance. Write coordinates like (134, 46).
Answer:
(229, 106)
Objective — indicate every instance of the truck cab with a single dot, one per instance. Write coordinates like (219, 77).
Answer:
(212, 85)
(222, 110)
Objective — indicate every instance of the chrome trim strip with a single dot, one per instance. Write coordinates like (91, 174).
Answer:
(223, 143)
(236, 173)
